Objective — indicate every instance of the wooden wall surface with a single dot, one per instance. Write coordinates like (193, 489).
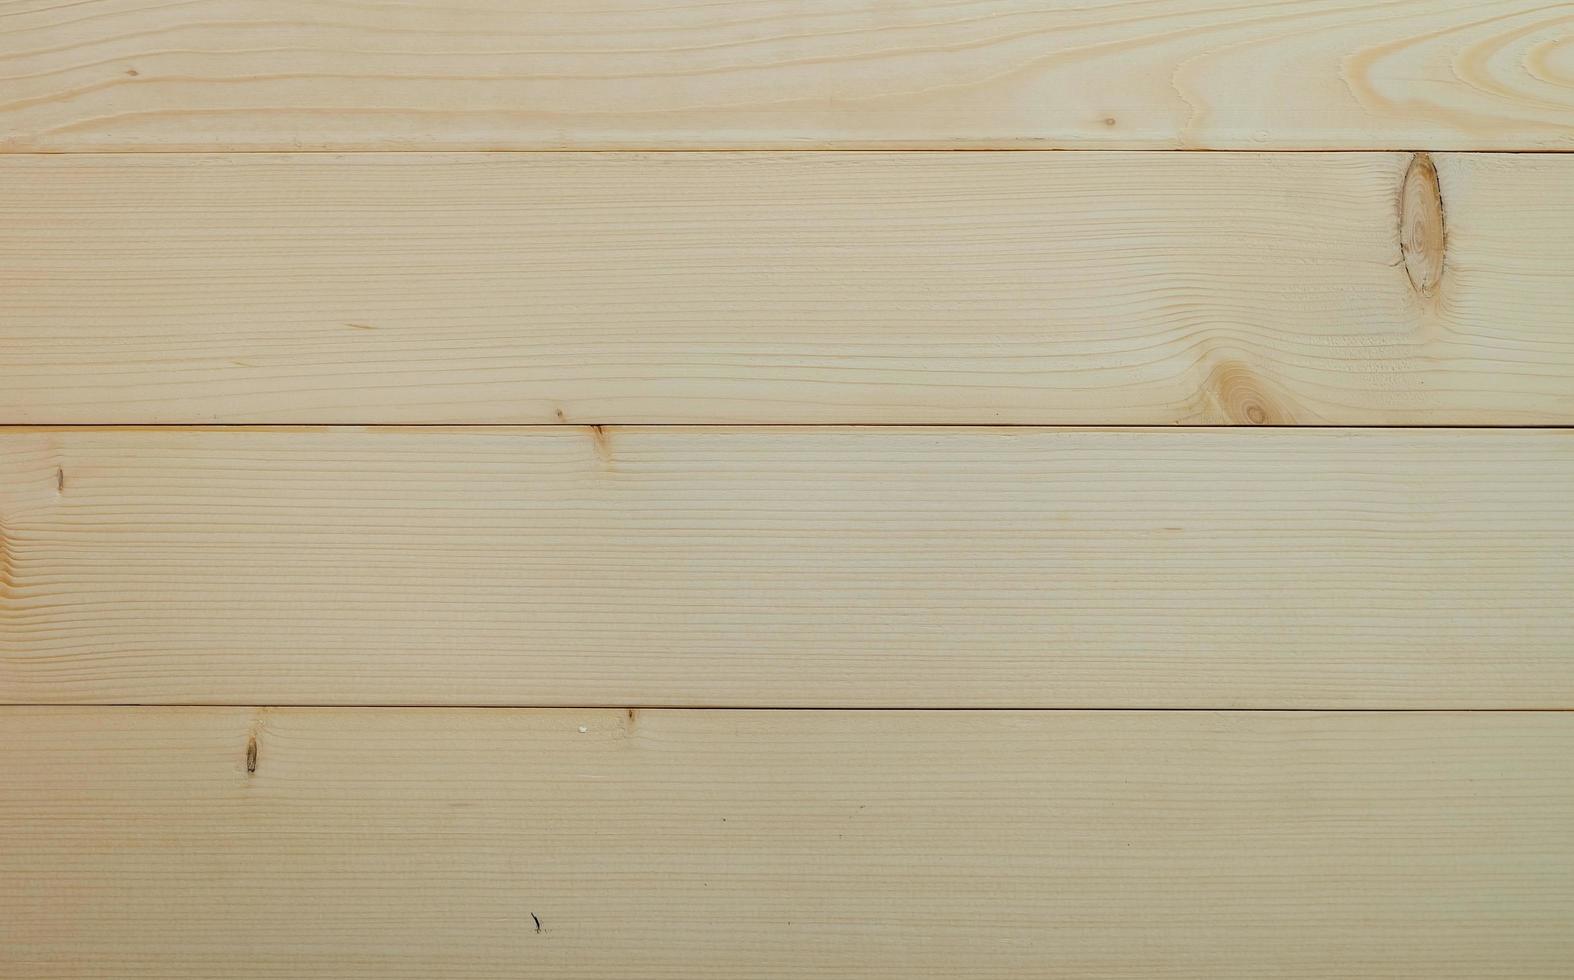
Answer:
(938, 74)
(1086, 288)
(589, 843)
(796, 565)
(515, 489)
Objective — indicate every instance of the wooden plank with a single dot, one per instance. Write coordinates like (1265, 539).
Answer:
(1094, 288)
(789, 566)
(542, 74)
(679, 844)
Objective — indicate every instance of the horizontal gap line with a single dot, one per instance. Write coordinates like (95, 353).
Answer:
(782, 149)
(1135, 426)
(779, 708)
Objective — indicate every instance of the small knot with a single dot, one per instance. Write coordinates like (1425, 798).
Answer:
(1239, 398)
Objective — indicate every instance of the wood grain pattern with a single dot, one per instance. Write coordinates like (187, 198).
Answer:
(201, 222)
(1092, 288)
(789, 566)
(534, 74)
(679, 844)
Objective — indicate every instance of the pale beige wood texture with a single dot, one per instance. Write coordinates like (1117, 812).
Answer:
(724, 844)
(543, 74)
(1081, 288)
(789, 566)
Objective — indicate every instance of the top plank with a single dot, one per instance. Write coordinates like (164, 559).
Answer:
(619, 74)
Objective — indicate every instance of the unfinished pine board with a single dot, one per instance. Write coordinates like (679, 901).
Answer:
(1079, 288)
(237, 843)
(543, 74)
(872, 566)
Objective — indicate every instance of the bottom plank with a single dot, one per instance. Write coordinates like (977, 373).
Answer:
(392, 843)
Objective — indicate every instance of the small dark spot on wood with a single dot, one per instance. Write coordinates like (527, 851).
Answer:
(60, 479)
(537, 920)
(360, 326)
(561, 417)
(1109, 120)
(132, 72)
(251, 755)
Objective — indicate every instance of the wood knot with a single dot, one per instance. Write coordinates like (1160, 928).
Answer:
(1423, 239)
(601, 442)
(1240, 399)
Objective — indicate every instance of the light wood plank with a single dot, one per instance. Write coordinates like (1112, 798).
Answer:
(543, 74)
(681, 844)
(789, 566)
(1092, 288)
